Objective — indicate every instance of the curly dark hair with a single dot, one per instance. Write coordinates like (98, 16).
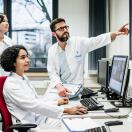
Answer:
(8, 57)
(54, 22)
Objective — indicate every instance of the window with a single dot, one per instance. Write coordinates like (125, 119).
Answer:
(1, 6)
(30, 27)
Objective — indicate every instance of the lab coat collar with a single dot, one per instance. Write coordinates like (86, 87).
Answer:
(7, 41)
(17, 76)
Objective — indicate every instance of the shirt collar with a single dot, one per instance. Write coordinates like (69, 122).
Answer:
(60, 49)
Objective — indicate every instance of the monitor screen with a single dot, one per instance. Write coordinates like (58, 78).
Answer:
(103, 73)
(118, 74)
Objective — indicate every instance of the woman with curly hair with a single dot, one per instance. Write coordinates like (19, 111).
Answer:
(22, 101)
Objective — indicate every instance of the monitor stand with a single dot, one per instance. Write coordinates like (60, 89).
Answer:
(117, 101)
(112, 96)
(105, 91)
(120, 103)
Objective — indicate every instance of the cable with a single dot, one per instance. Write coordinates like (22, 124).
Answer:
(121, 116)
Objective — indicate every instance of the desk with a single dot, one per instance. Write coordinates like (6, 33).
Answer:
(99, 116)
(126, 127)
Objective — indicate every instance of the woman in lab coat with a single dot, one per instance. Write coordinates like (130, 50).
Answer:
(5, 41)
(21, 99)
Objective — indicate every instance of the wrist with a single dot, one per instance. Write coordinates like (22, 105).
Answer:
(58, 86)
(66, 110)
(113, 36)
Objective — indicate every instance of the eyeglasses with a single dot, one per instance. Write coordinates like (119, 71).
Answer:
(62, 28)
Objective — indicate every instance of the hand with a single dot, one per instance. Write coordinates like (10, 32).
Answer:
(63, 101)
(123, 30)
(78, 110)
(62, 91)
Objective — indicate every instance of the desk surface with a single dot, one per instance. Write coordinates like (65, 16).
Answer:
(99, 115)
(127, 126)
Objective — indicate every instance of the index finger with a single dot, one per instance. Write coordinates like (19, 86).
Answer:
(65, 99)
(124, 25)
(81, 106)
(68, 90)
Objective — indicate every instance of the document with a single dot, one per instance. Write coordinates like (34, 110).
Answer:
(78, 124)
(75, 90)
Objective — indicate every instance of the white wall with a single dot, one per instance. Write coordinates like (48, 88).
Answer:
(119, 15)
(76, 14)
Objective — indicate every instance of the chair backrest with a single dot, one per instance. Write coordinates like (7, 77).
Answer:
(6, 117)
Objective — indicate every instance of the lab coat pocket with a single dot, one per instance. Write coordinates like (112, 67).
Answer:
(78, 57)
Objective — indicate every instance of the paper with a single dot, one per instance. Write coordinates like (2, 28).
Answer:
(79, 124)
(75, 90)
(72, 87)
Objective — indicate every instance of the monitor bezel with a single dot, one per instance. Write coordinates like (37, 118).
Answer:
(121, 93)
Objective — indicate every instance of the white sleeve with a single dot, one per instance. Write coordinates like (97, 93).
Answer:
(52, 69)
(90, 44)
(23, 99)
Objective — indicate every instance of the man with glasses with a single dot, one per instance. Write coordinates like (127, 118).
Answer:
(66, 57)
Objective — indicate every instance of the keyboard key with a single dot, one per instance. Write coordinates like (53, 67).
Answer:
(86, 92)
(104, 129)
(97, 129)
(91, 104)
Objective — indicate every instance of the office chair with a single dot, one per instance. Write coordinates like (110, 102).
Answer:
(7, 125)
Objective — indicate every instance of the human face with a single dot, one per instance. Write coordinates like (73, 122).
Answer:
(61, 31)
(4, 25)
(22, 62)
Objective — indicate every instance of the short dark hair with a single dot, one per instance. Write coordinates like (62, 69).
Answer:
(8, 57)
(54, 22)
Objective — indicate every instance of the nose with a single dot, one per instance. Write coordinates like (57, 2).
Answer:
(7, 24)
(27, 59)
(65, 28)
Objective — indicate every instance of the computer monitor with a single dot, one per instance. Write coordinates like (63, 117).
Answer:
(103, 74)
(118, 75)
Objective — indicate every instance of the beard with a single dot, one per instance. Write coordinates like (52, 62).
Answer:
(64, 37)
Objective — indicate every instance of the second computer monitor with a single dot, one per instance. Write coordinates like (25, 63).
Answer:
(103, 74)
(118, 75)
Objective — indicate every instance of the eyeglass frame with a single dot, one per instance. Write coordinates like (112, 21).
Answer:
(62, 28)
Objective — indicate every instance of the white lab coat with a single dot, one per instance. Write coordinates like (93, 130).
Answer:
(75, 51)
(24, 104)
(3, 45)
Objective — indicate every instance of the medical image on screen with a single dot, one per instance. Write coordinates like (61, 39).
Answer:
(117, 74)
(118, 70)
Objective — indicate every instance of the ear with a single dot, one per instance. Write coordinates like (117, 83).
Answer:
(15, 64)
(54, 34)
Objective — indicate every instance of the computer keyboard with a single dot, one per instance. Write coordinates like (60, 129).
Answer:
(92, 104)
(86, 92)
(98, 129)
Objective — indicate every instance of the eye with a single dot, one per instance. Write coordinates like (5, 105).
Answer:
(23, 57)
(62, 28)
(4, 20)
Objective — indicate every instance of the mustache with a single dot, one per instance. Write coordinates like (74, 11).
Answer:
(65, 33)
